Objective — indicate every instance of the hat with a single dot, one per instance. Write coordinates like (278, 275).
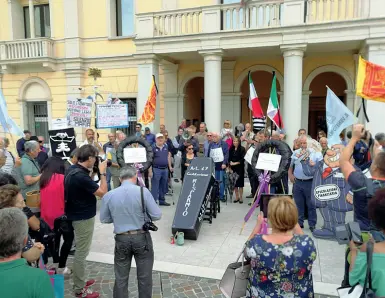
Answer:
(147, 128)
(159, 135)
(26, 131)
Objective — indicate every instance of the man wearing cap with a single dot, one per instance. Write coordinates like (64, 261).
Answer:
(160, 166)
(20, 143)
(150, 137)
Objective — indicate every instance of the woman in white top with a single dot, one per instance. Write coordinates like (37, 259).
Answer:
(227, 133)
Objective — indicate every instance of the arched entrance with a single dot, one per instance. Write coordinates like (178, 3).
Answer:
(317, 100)
(35, 106)
(194, 109)
(262, 81)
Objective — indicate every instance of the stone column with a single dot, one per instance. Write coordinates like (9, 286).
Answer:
(292, 112)
(31, 18)
(213, 111)
(170, 78)
(305, 109)
(376, 109)
(148, 67)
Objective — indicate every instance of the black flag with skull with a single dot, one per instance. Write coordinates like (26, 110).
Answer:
(63, 142)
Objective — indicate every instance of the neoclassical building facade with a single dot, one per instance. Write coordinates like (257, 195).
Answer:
(200, 55)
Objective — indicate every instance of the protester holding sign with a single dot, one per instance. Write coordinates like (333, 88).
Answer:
(219, 152)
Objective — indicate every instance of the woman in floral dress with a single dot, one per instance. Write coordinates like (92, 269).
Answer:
(281, 262)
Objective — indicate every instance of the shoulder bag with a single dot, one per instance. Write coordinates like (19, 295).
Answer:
(234, 281)
(359, 291)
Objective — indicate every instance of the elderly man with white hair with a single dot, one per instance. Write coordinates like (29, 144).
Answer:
(219, 152)
(30, 170)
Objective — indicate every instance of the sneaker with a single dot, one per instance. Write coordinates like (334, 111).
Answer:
(87, 293)
(90, 283)
(164, 204)
(64, 271)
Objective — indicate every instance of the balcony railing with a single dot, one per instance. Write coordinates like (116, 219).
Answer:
(26, 49)
(255, 14)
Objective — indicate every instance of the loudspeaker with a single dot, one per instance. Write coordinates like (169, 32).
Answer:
(194, 196)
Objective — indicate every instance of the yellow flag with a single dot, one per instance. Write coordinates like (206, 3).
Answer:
(370, 81)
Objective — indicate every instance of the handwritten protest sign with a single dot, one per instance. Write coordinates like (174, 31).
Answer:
(249, 154)
(112, 116)
(269, 162)
(79, 112)
(217, 154)
(135, 155)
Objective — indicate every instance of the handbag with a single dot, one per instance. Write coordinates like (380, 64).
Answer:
(358, 291)
(57, 280)
(33, 199)
(234, 281)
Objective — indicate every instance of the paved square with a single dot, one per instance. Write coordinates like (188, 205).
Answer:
(218, 245)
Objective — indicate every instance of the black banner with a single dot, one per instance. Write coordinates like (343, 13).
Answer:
(63, 142)
(194, 196)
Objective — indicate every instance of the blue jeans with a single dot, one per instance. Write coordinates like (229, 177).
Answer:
(302, 198)
(219, 177)
(108, 178)
(159, 184)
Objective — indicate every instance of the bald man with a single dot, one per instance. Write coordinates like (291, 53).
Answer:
(324, 145)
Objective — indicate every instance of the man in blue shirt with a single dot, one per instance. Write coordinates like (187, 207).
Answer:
(128, 211)
(160, 166)
(219, 152)
(138, 130)
(302, 183)
(150, 137)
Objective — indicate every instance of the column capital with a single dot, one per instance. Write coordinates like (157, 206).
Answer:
(375, 44)
(147, 59)
(169, 67)
(306, 92)
(212, 55)
(293, 50)
(350, 92)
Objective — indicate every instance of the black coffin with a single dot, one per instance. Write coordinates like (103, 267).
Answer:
(194, 196)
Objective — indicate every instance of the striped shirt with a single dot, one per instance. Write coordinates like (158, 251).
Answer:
(259, 123)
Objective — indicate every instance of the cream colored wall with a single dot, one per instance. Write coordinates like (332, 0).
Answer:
(4, 20)
(148, 5)
(196, 3)
(94, 18)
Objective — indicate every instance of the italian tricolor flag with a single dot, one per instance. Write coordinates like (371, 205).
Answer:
(273, 109)
(254, 104)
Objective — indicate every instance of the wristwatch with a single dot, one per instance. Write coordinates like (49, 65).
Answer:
(104, 174)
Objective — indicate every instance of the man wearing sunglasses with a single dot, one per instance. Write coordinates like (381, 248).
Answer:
(43, 154)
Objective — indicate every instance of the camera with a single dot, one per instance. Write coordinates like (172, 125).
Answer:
(364, 137)
(149, 226)
(349, 232)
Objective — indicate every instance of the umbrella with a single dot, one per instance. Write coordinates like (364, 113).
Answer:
(232, 178)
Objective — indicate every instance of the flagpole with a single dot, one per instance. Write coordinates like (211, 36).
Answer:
(271, 121)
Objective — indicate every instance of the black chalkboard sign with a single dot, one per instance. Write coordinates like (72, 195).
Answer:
(62, 142)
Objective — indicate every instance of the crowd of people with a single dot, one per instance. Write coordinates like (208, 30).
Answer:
(69, 190)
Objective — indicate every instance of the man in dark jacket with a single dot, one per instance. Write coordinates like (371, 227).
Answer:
(20, 143)
(219, 152)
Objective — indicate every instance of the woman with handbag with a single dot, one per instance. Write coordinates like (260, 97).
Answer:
(52, 208)
(358, 263)
(281, 262)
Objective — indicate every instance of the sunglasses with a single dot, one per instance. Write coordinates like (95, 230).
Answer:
(189, 148)
(209, 135)
(40, 141)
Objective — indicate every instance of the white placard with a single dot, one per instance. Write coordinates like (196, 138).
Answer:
(112, 116)
(249, 154)
(327, 192)
(135, 155)
(217, 155)
(59, 123)
(269, 162)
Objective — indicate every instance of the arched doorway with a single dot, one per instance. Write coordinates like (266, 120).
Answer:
(194, 109)
(317, 100)
(262, 81)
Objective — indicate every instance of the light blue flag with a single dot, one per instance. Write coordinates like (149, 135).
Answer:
(7, 122)
(338, 117)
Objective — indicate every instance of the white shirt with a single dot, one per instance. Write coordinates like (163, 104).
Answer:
(9, 163)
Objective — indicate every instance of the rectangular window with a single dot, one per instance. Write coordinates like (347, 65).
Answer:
(125, 15)
(42, 21)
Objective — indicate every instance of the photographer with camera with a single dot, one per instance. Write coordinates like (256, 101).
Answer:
(363, 188)
(131, 209)
(80, 193)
